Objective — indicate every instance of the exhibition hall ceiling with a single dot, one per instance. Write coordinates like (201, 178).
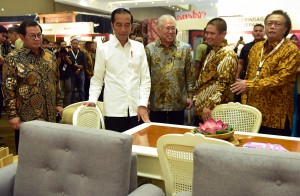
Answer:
(109, 5)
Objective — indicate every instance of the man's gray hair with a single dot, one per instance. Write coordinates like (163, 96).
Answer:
(164, 17)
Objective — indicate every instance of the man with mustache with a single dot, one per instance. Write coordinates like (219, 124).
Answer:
(271, 75)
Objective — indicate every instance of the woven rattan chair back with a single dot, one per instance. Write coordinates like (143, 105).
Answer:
(242, 117)
(175, 153)
(88, 117)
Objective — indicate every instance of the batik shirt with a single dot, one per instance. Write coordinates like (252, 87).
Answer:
(272, 91)
(172, 76)
(31, 86)
(215, 78)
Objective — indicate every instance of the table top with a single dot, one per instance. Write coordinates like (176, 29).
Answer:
(147, 134)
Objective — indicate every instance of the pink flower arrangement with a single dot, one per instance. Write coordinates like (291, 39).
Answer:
(213, 127)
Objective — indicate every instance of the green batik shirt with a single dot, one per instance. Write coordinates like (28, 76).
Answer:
(31, 89)
(172, 76)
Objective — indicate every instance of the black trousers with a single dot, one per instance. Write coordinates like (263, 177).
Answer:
(286, 131)
(197, 120)
(121, 124)
(172, 117)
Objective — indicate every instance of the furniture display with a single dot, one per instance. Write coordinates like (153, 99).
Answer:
(175, 153)
(79, 115)
(7, 160)
(5, 157)
(244, 171)
(60, 159)
(145, 137)
(4, 151)
(88, 117)
(241, 117)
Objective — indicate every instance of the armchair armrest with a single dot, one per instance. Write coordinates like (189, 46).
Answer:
(7, 179)
(185, 193)
(147, 190)
(133, 173)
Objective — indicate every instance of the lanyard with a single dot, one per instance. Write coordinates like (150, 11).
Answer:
(262, 61)
(75, 56)
(211, 55)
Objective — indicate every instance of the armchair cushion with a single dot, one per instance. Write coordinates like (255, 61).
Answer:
(147, 189)
(7, 179)
(243, 171)
(65, 159)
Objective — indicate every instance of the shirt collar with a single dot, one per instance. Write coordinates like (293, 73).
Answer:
(115, 42)
(159, 43)
(41, 51)
(271, 46)
(221, 45)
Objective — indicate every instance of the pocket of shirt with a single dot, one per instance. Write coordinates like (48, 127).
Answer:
(134, 63)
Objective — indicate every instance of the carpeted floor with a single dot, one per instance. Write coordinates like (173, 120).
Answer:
(7, 135)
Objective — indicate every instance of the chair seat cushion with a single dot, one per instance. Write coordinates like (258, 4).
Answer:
(64, 159)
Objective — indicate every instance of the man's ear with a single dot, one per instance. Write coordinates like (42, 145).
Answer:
(112, 27)
(224, 33)
(22, 37)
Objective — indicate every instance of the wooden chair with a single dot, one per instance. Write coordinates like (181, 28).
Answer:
(76, 114)
(4, 151)
(7, 160)
(242, 117)
(175, 153)
(88, 117)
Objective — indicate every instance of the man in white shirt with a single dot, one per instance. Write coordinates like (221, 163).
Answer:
(122, 65)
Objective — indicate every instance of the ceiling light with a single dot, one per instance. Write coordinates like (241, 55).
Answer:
(134, 1)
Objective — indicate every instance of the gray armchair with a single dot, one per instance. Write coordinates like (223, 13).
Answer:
(244, 171)
(58, 159)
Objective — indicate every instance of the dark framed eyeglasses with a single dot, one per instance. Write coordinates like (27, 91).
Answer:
(35, 36)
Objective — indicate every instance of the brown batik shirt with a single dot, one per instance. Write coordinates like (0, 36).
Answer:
(272, 92)
(31, 89)
(215, 78)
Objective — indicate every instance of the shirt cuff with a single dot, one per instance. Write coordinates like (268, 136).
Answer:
(143, 102)
(250, 84)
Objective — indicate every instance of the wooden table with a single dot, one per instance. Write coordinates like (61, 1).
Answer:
(146, 135)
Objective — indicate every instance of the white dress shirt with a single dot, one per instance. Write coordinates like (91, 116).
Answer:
(125, 73)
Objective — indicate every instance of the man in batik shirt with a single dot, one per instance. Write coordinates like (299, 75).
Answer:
(271, 76)
(31, 88)
(172, 77)
(218, 71)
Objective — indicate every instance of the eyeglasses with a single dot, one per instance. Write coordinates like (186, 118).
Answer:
(167, 29)
(34, 37)
(276, 24)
